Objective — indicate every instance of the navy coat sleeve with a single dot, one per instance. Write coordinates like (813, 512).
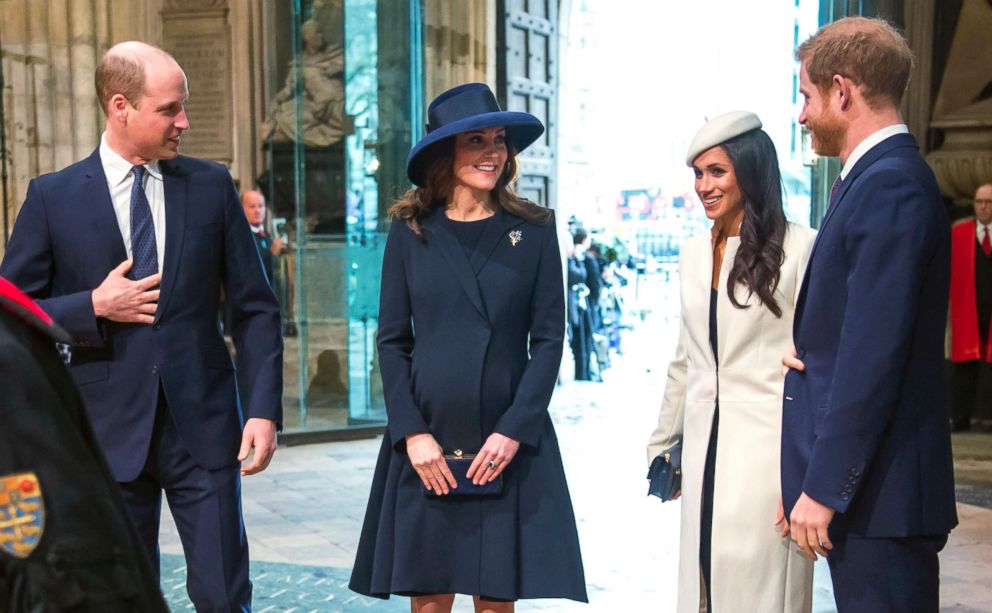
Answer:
(395, 340)
(28, 263)
(255, 320)
(891, 235)
(524, 420)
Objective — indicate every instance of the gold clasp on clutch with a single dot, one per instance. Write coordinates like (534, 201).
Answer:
(459, 455)
(668, 458)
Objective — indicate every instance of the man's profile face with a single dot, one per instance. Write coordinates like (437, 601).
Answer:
(158, 119)
(983, 205)
(820, 117)
(254, 206)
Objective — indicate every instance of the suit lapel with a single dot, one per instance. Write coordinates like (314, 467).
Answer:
(447, 243)
(175, 228)
(870, 157)
(101, 212)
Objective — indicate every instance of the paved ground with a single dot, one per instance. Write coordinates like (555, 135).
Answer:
(304, 513)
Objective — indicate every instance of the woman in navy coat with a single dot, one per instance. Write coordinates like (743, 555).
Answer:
(471, 330)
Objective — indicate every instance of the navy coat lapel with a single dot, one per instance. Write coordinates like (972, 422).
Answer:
(870, 157)
(873, 155)
(173, 175)
(447, 243)
(101, 212)
(495, 232)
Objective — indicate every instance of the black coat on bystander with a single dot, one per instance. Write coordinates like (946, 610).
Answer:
(65, 541)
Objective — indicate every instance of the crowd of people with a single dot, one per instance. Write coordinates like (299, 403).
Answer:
(806, 398)
(595, 306)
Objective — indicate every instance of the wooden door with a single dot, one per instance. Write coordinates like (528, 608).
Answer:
(527, 80)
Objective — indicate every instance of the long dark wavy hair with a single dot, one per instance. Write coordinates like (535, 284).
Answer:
(439, 182)
(758, 263)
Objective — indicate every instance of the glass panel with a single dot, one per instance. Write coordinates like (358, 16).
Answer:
(824, 170)
(330, 76)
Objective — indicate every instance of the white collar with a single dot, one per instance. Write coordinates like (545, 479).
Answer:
(257, 229)
(117, 169)
(866, 145)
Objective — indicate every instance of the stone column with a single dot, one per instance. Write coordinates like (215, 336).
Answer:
(49, 51)
(919, 16)
(456, 37)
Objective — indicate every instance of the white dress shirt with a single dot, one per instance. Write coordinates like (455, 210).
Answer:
(119, 181)
(866, 145)
(981, 229)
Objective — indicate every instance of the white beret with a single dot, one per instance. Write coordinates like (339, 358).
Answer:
(720, 129)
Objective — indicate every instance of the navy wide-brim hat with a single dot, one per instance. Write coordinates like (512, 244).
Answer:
(467, 107)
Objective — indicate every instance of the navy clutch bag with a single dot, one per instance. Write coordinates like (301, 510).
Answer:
(458, 464)
(665, 474)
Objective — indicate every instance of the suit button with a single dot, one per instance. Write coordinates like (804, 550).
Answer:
(845, 497)
(154, 370)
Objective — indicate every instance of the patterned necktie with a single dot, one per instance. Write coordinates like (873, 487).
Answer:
(986, 242)
(144, 251)
(835, 188)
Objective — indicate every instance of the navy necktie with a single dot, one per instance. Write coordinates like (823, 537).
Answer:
(144, 251)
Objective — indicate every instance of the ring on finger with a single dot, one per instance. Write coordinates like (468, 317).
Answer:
(492, 465)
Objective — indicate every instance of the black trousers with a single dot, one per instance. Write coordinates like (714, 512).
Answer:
(582, 346)
(966, 379)
(886, 575)
(706, 511)
(206, 505)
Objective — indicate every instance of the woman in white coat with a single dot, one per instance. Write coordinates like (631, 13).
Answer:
(723, 398)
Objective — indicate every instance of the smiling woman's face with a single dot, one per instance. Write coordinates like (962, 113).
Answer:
(716, 184)
(480, 156)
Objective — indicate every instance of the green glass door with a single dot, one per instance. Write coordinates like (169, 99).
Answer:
(341, 79)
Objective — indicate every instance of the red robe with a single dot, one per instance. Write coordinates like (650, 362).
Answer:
(965, 343)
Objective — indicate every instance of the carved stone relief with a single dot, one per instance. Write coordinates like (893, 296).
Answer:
(963, 110)
(200, 40)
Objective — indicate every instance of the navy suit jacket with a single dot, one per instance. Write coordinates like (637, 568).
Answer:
(65, 242)
(865, 427)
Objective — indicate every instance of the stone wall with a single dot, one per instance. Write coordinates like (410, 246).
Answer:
(50, 51)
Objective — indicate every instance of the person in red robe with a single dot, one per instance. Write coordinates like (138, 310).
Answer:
(971, 307)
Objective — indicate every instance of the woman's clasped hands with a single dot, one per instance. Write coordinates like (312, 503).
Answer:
(489, 463)
(427, 458)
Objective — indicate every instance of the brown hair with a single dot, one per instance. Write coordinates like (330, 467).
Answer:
(119, 73)
(439, 181)
(869, 52)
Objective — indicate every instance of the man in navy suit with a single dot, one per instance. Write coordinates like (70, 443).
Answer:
(867, 476)
(128, 251)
